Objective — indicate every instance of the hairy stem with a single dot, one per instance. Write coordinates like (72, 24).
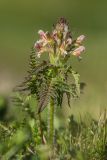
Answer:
(51, 122)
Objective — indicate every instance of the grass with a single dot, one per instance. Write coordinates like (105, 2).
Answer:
(82, 138)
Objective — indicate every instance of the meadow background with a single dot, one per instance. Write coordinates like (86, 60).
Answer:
(19, 24)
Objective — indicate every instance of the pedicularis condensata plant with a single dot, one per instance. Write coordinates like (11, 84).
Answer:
(59, 44)
(50, 80)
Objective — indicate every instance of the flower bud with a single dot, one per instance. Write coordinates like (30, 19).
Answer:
(38, 45)
(80, 39)
(42, 34)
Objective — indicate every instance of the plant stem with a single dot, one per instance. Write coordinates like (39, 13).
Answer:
(51, 122)
(41, 130)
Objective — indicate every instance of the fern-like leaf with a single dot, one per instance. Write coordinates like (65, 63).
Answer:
(47, 92)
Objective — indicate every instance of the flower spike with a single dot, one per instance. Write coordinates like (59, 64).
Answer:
(59, 43)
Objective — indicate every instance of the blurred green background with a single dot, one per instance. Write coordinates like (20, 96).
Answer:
(19, 24)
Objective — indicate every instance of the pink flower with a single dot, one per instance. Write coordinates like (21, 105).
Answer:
(62, 25)
(77, 52)
(80, 39)
(59, 42)
(38, 45)
(42, 34)
(69, 41)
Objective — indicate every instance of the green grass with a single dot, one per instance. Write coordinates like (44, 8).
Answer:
(77, 137)
(84, 139)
